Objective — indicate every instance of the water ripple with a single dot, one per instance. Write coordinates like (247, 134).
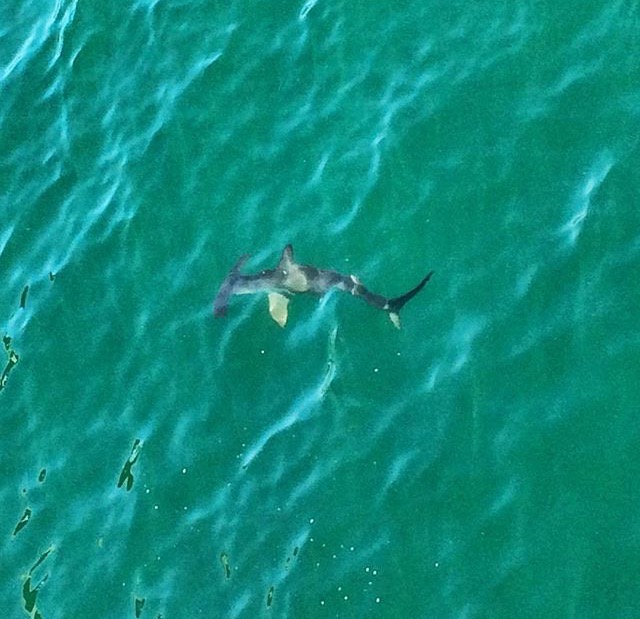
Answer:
(583, 196)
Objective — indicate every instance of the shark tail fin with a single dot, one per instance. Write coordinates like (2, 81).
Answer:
(395, 305)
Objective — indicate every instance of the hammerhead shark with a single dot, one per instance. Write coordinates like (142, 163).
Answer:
(289, 278)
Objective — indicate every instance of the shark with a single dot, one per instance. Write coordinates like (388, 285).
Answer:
(289, 278)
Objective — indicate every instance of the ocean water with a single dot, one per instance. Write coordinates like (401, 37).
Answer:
(482, 461)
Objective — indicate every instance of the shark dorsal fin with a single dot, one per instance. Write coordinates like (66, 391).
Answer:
(295, 278)
(278, 308)
(286, 260)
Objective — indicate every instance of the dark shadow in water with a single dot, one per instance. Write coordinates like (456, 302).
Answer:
(224, 559)
(22, 523)
(23, 297)
(12, 360)
(29, 594)
(126, 476)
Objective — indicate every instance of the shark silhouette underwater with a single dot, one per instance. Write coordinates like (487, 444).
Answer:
(289, 278)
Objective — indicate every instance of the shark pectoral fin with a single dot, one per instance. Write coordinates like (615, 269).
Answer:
(395, 319)
(278, 307)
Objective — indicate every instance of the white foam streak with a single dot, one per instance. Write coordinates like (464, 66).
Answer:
(304, 11)
(582, 200)
(303, 407)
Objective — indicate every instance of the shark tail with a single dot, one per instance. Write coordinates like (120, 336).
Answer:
(395, 305)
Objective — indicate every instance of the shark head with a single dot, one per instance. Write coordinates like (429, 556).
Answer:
(228, 288)
(268, 280)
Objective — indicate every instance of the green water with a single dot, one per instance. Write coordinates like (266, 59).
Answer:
(480, 462)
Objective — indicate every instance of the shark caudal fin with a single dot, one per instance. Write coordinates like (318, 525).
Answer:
(395, 305)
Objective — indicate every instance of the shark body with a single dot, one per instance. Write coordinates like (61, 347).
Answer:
(289, 278)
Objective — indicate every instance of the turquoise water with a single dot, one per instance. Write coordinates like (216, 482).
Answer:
(480, 462)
